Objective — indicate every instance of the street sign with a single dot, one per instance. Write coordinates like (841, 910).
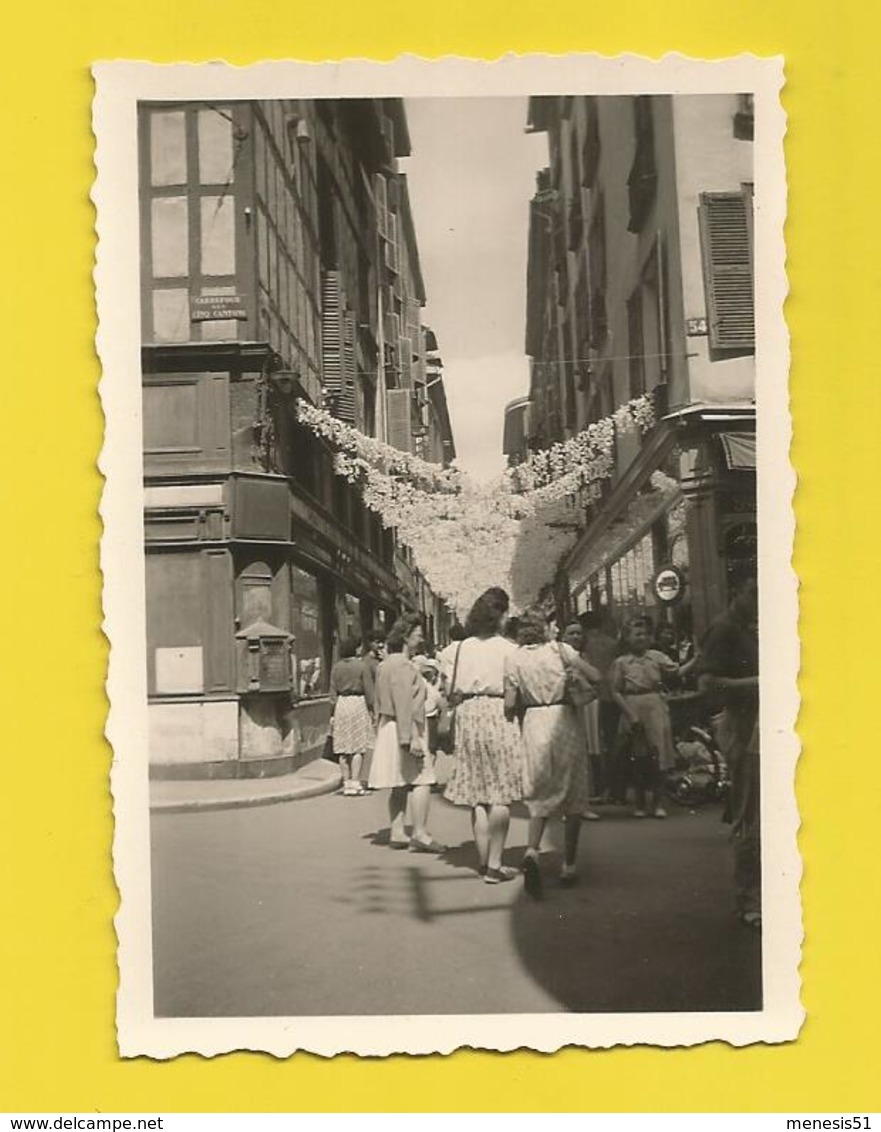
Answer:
(207, 308)
(669, 585)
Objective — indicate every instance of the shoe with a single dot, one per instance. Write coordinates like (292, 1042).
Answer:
(591, 815)
(532, 881)
(426, 846)
(568, 876)
(399, 844)
(500, 875)
(659, 812)
(751, 920)
(640, 814)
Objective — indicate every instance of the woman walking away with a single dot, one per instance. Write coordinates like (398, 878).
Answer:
(401, 761)
(555, 781)
(486, 771)
(351, 729)
(645, 733)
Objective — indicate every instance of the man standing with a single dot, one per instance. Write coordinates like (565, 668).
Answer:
(372, 654)
(729, 667)
(600, 649)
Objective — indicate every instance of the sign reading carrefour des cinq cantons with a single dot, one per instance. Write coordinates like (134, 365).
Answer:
(669, 585)
(208, 308)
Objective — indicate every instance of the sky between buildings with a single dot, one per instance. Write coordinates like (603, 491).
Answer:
(471, 176)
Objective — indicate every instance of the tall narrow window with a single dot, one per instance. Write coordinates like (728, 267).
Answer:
(168, 147)
(643, 179)
(726, 246)
(636, 347)
(169, 237)
(216, 164)
(218, 236)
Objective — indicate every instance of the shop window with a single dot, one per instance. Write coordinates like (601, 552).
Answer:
(168, 147)
(216, 161)
(309, 634)
(218, 235)
(169, 237)
(349, 617)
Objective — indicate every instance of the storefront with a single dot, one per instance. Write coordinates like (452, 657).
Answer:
(686, 511)
(247, 602)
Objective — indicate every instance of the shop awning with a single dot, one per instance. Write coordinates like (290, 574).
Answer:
(740, 450)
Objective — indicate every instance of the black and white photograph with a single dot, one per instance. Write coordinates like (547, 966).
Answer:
(447, 554)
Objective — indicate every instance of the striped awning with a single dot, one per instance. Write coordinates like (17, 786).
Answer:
(740, 450)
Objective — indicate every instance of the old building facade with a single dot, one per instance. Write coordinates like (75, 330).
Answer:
(273, 235)
(640, 280)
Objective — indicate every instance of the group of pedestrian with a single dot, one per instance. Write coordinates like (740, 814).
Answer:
(541, 721)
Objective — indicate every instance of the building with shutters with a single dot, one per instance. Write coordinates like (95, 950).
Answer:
(640, 280)
(270, 266)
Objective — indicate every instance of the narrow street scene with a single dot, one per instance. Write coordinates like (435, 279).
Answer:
(452, 596)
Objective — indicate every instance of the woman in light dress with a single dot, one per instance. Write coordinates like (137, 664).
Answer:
(351, 694)
(555, 782)
(486, 773)
(402, 763)
(645, 731)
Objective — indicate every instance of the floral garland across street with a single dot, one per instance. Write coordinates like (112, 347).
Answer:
(467, 535)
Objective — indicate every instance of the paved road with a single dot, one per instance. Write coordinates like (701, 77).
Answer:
(299, 909)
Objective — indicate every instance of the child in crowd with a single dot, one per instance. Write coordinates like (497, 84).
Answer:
(430, 670)
(645, 733)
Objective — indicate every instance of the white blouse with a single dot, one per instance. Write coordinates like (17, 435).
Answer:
(481, 667)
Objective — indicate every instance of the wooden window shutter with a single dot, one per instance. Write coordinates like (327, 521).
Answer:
(350, 373)
(332, 334)
(398, 419)
(726, 245)
(405, 356)
(381, 200)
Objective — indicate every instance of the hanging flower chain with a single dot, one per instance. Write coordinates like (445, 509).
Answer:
(466, 536)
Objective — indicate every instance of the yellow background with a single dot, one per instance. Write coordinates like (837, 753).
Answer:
(57, 943)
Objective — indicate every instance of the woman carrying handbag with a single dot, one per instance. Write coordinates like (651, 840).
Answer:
(542, 680)
(486, 772)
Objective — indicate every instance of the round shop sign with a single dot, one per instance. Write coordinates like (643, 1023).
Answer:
(669, 585)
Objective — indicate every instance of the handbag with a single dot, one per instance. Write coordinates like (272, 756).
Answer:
(578, 690)
(446, 720)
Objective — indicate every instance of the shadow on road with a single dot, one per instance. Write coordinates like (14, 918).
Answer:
(649, 927)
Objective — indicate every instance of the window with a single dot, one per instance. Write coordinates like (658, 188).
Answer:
(635, 347)
(168, 148)
(590, 157)
(218, 236)
(643, 180)
(216, 162)
(169, 237)
(310, 666)
(726, 247)
(744, 119)
(171, 314)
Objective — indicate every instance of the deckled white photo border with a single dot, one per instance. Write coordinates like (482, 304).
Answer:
(119, 87)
